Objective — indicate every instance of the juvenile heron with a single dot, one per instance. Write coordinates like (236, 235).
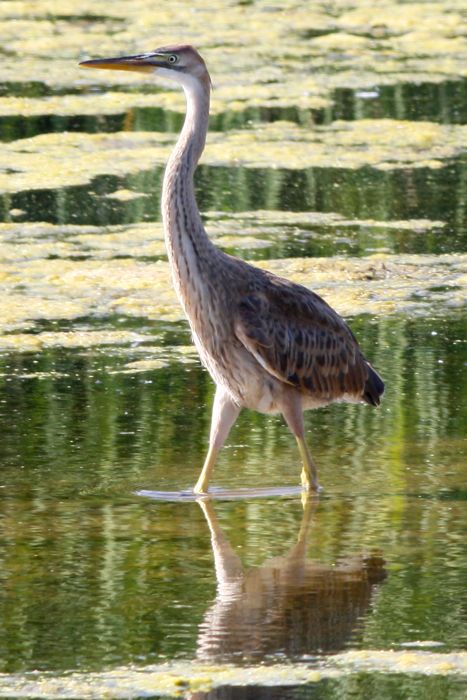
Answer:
(269, 344)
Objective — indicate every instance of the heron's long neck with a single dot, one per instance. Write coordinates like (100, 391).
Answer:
(188, 245)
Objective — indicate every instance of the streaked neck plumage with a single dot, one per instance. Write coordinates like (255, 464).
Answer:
(188, 245)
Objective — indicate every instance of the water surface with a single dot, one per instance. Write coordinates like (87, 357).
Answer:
(95, 575)
(102, 399)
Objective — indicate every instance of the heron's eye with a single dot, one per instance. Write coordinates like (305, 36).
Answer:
(172, 59)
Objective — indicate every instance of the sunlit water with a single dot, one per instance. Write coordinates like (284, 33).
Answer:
(99, 571)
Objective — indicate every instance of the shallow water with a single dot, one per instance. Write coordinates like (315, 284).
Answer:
(107, 565)
(96, 576)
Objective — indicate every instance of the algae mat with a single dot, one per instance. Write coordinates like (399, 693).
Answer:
(66, 289)
(177, 679)
(49, 161)
(60, 274)
(288, 48)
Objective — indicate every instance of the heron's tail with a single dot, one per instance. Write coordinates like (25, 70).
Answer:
(374, 387)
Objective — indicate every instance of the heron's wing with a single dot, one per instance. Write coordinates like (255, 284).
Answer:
(297, 337)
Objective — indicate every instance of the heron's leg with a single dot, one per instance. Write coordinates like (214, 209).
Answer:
(224, 415)
(309, 474)
(293, 414)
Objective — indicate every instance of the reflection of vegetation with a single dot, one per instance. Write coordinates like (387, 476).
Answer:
(444, 102)
(364, 194)
(13, 128)
(22, 117)
(122, 580)
(387, 686)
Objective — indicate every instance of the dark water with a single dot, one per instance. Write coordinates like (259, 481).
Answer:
(94, 576)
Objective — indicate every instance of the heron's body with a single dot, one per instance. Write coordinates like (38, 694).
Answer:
(269, 344)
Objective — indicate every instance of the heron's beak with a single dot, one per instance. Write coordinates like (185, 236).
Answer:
(144, 63)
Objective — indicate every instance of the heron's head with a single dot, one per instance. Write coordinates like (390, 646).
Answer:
(180, 63)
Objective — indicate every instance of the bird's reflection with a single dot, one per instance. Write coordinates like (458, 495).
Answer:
(291, 605)
(259, 692)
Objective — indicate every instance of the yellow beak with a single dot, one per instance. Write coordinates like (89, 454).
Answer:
(143, 63)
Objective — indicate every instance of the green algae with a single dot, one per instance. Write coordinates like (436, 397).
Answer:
(296, 59)
(351, 21)
(124, 195)
(57, 289)
(268, 56)
(88, 104)
(380, 284)
(238, 221)
(29, 241)
(54, 160)
(67, 272)
(383, 144)
(158, 357)
(175, 678)
(59, 273)
(81, 339)
(112, 102)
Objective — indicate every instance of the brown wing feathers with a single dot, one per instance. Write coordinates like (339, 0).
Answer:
(300, 339)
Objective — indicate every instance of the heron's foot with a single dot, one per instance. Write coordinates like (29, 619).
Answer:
(200, 489)
(309, 498)
(309, 475)
(309, 481)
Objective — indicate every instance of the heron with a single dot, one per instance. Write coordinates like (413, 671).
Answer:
(269, 344)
